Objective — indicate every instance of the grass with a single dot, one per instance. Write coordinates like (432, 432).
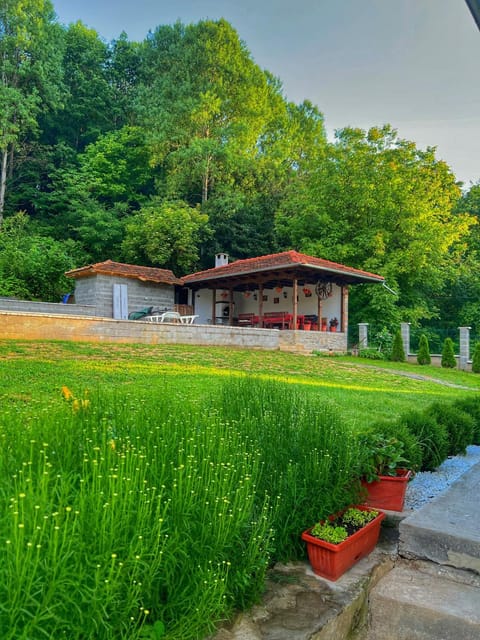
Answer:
(149, 497)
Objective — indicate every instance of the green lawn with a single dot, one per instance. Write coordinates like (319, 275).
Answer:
(145, 490)
(32, 374)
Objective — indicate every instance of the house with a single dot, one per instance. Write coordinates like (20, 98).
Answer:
(267, 289)
(283, 290)
(116, 289)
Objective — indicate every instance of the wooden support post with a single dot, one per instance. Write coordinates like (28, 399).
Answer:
(214, 306)
(344, 310)
(295, 302)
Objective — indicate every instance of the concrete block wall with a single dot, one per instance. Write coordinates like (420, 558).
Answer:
(29, 326)
(97, 290)
(28, 306)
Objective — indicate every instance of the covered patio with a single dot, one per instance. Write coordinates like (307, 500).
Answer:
(287, 291)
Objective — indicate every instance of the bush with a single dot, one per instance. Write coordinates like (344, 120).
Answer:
(371, 354)
(459, 425)
(448, 355)
(476, 358)
(412, 451)
(423, 356)
(432, 438)
(398, 352)
(471, 405)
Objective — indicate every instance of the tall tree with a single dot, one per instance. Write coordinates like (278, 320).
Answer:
(205, 104)
(30, 74)
(381, 204)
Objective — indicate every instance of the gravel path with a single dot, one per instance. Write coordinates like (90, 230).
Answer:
(427, 485)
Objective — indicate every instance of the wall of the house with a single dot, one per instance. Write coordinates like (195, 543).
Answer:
(29, 306)
(97, 290)
(331, 307)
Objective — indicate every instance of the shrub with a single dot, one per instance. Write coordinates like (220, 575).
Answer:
(398, 352)
(423, 356)
(476, 358)
(371, 354)
(471, 405)
(448, 355)
(380, 455)
(432, 438)
(412, 451)
(459, 425)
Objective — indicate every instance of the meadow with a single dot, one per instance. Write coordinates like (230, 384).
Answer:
(145, 490)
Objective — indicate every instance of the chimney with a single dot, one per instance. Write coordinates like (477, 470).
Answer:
(221, 259)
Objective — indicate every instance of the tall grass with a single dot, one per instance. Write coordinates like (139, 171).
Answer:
(308, 455)
(119, 513)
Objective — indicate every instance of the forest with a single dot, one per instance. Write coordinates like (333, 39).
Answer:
(166, 151)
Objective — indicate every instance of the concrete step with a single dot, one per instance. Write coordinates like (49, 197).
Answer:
(420, 600)
(447, 530)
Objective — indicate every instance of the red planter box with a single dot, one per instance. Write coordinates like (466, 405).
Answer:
(332, 560)
(388, 492)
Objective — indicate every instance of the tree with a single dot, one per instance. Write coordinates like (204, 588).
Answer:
(423, 356)
(448, 355)
(30, 74)
(398, 352)
(476, 358)
(32, 266)
(378, 203)
(205, 105)
(166, 234)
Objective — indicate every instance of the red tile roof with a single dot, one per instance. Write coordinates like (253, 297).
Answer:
(284, 260)
(110, 268)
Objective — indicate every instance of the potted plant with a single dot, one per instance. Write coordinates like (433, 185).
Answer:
(336, 544)
(384, 476)
(333, 324)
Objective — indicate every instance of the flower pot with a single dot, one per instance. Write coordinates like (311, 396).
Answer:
(307, 326)
(388, 492)
(333, 329)
(332, 560)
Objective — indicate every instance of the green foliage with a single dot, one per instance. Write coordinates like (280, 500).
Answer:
(339, 528)
(380, 455)
(423, 356)
(372, 354)
(432, 437)
(448, 355)
(32, 266)
(398, 352)
(308, 454)
(166, 234)
(459, 425)
(476, 358)
(411, 450)
(471, 405)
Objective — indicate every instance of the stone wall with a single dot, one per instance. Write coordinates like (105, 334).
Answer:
(29, 326)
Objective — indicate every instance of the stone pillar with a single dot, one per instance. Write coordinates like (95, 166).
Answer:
(363, 335)
(464, 347)
(405, 331)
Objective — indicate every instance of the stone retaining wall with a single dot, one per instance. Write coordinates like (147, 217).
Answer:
(30, 326)
(28, 306)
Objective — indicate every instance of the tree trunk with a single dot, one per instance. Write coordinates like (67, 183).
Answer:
(3, 182)
(206, 181)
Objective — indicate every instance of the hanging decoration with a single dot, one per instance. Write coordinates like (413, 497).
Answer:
(224, 294)
(323, 289)
(307, 292)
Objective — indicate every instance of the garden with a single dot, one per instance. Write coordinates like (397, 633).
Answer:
(146, 491)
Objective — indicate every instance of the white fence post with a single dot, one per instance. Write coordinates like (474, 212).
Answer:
(405, 331)
(363, 335)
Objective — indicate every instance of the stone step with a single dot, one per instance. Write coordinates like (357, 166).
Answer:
(420, 600)
(447, 530)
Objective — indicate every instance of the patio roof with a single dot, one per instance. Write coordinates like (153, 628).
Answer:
(278, 269)
(110, 268)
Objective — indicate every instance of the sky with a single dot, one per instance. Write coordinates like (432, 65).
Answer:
(414, 64)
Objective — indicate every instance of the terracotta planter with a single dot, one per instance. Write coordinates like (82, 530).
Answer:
(388, 492)
(333, 329)
(332, 560)
(307, 326)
